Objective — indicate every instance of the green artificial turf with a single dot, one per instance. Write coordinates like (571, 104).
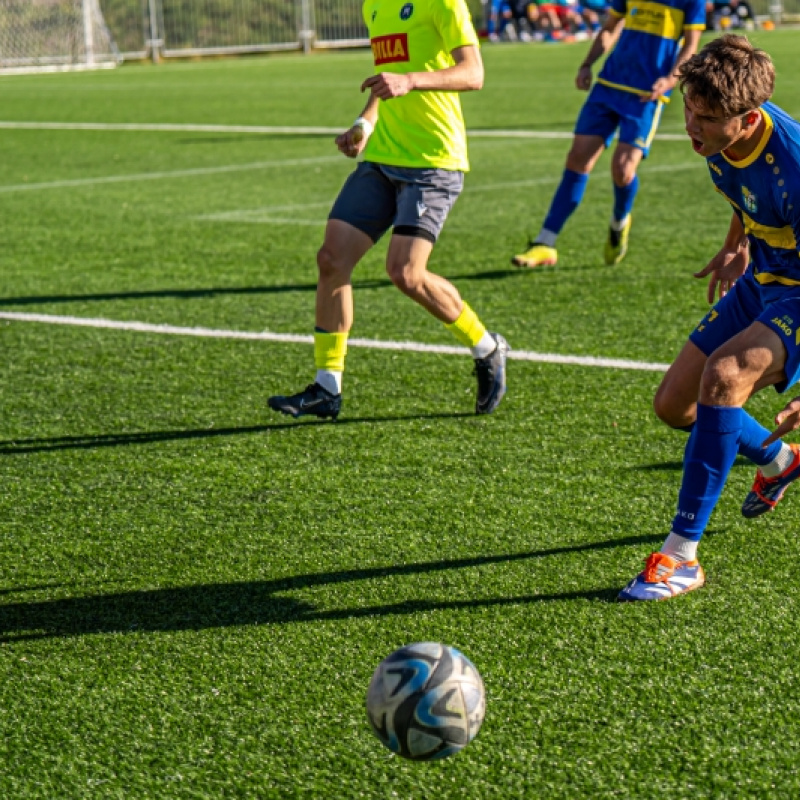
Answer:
(194, 592)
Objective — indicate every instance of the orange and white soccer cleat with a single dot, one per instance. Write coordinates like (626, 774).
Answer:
(662, 578)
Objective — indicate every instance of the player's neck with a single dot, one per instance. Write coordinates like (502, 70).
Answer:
(747, 143)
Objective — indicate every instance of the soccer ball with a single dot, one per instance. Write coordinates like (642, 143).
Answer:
(426, 701)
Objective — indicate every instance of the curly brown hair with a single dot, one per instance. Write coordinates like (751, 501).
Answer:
(728, 75)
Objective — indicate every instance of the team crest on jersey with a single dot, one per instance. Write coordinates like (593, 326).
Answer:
(750, 200)
(390, 49)
(406, 11)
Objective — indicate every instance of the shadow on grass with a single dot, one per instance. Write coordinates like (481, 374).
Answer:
(677, 466)
(223, 291)
(45, 445)
(260, 602)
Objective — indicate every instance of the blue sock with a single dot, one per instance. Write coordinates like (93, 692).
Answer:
(624, 197)
(753, 433)
(567, 198)
(710, 453)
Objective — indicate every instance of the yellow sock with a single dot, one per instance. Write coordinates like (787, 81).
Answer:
(468, 329)
(330, 350)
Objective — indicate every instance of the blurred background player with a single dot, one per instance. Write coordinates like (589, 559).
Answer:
(629, 94)
(751, 338)
(415, 153)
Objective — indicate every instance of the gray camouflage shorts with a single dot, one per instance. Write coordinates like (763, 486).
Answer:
(413, 201)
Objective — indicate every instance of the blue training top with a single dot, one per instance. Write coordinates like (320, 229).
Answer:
(764, 190)
(650, 41)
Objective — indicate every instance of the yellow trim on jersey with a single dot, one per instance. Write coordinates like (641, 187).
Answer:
(746, 162)
(615, 13)
(639, 92)
(771, 277)
(774, 237)
(656, 19)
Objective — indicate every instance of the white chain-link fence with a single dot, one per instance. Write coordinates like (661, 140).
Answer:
(54, 34)
(169, 28)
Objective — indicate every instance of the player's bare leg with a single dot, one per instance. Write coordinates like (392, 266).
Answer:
(344, 246)
(407, 266)
(624, 164)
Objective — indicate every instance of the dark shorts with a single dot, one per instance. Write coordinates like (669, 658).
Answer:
(413, 201)
(607, 109)
(777, 307)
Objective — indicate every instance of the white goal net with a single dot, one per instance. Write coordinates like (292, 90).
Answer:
(50, 35)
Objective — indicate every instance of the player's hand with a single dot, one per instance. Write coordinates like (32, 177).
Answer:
(659, 89)
(725, 269)
(387, 85)
(787, 420)
(583, 80)
(352, 142)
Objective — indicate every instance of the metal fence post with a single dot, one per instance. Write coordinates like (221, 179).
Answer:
(88, 32)
(306, 34)
(154, 43)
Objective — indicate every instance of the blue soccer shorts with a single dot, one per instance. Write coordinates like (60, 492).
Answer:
(775, 305)
(607, 110)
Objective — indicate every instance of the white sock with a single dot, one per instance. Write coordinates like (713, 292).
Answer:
(547, 238)
(779, 463)
(329, 380)
(679, 547)
(618, 224)
(485, 346)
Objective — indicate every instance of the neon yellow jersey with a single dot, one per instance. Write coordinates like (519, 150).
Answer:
(420, 129)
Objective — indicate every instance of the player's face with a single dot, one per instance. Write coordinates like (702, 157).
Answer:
(709, 131)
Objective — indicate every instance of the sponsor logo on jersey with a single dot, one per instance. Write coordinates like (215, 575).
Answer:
(390, 49)
(750, 200)
(784, 324)
(406, 11)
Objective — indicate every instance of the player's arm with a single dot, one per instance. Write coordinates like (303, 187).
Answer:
(666, 83)
(464, 76)
(602, 43)
(730, 263)
(354, 140)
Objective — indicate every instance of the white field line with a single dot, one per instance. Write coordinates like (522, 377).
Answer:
(374, 344)
(285, 130)
(178, 173)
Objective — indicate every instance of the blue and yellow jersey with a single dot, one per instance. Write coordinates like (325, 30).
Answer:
(649, 42)
(764, 190)
(420, 129)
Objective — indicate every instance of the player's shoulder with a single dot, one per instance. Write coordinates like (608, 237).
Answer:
(784, 140)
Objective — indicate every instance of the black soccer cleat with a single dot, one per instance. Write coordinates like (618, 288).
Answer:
(313, 401)
(491, 373)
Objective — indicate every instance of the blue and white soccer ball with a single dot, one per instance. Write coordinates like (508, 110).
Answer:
(426, 701)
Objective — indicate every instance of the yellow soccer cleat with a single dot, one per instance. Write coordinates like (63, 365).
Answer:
(617, 243)
(537, 255)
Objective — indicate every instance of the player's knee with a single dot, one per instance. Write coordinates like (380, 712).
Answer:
(672, 410)
(329, 262)
(404, 277)
(623, 173)
(722, 381)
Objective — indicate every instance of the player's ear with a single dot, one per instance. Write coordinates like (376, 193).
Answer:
(752, 118)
